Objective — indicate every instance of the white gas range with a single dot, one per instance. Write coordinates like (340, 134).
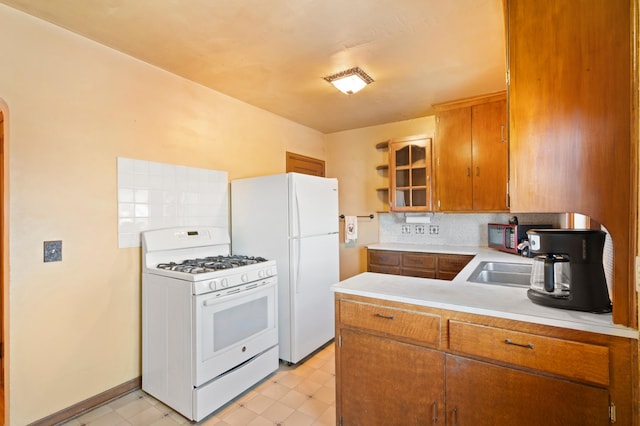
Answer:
(209, 319)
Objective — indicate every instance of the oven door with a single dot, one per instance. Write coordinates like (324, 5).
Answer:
(233, 328)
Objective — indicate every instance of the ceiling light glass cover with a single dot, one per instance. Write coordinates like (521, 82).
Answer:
(349, 81)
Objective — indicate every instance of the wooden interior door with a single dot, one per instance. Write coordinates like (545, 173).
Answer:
(2, 249)
(307, 165)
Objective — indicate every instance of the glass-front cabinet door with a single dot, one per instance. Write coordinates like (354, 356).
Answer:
(410, 174)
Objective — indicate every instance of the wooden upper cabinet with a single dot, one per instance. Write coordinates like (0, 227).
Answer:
(471, 154)
(571, 78)
(410, 173)
(302, 164)
(490, 154)
(453, 160)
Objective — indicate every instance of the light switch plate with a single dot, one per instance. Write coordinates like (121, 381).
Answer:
(53, 251)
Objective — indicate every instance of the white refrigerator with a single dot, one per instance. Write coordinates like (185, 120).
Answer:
(292, 218)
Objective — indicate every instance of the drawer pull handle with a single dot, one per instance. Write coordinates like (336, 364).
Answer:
(509, 342)
(389, 317)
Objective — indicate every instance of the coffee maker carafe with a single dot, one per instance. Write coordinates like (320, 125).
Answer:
(567, 269)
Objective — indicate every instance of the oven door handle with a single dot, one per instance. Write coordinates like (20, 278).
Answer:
(236, 292)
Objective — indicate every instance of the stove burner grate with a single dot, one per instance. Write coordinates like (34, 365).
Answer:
(211, 263)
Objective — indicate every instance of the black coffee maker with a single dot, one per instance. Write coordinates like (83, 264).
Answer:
(567, 272)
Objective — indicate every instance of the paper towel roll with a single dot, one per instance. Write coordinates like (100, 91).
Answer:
(418, 219)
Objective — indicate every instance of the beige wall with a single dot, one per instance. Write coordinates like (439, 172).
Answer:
(71, 107)
(352, 157)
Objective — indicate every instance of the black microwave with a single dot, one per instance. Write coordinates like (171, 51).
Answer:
(506, 237)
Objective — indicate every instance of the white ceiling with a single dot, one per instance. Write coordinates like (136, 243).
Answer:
(274, 53)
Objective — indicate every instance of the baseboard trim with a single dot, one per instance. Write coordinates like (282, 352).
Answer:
(89, 404)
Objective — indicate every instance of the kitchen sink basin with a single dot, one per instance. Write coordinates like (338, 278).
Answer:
(502, 273)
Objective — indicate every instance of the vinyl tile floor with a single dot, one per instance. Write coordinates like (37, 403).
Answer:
(299, 395)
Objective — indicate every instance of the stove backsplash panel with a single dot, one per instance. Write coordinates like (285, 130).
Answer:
(157, 195)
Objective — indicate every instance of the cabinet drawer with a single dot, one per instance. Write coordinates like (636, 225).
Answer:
(386, 258)
(393, 270)
(419, 260)
(581, 361)
(452, 263)
(413, 325)
(421, 273)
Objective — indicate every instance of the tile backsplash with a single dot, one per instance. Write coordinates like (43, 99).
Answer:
(156, 195)
(468, 229)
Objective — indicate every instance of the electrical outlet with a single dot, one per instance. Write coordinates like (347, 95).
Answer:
(419, 229)
(406, 229)
(434, 229)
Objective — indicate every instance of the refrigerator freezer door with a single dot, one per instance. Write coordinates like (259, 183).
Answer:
(313, 205)
(314, 269)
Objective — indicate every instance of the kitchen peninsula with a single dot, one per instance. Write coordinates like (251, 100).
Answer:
(441, 344)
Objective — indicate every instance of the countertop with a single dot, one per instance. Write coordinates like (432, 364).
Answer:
(465, 296)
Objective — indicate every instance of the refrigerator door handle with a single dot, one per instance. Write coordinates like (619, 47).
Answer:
(295, 212)
(296, 265)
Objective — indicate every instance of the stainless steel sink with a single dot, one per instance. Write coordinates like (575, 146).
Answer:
(502, 273)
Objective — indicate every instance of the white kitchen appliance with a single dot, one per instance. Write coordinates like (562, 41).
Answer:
(209, 319)
(293, 219)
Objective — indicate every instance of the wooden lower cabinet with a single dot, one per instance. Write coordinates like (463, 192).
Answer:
(404, 364)
(479, 393)
(384, 262)
(407, 390)
(416, 264)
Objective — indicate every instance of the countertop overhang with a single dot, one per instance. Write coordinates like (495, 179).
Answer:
(462, 295)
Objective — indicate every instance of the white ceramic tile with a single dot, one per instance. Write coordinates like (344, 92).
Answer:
(126, 210)
(125, 195)
(141, 210)
(164, 195)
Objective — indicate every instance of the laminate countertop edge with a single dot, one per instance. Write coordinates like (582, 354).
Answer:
(464, 296)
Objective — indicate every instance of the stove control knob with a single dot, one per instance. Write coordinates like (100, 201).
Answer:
(244, 278)
(224, 283)
(213, 284)
(262, 273)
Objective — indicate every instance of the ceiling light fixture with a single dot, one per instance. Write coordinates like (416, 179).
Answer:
(349, 81)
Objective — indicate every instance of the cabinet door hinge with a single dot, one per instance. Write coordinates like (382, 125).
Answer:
(612, 412)
(340, 420)
(340, 341)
